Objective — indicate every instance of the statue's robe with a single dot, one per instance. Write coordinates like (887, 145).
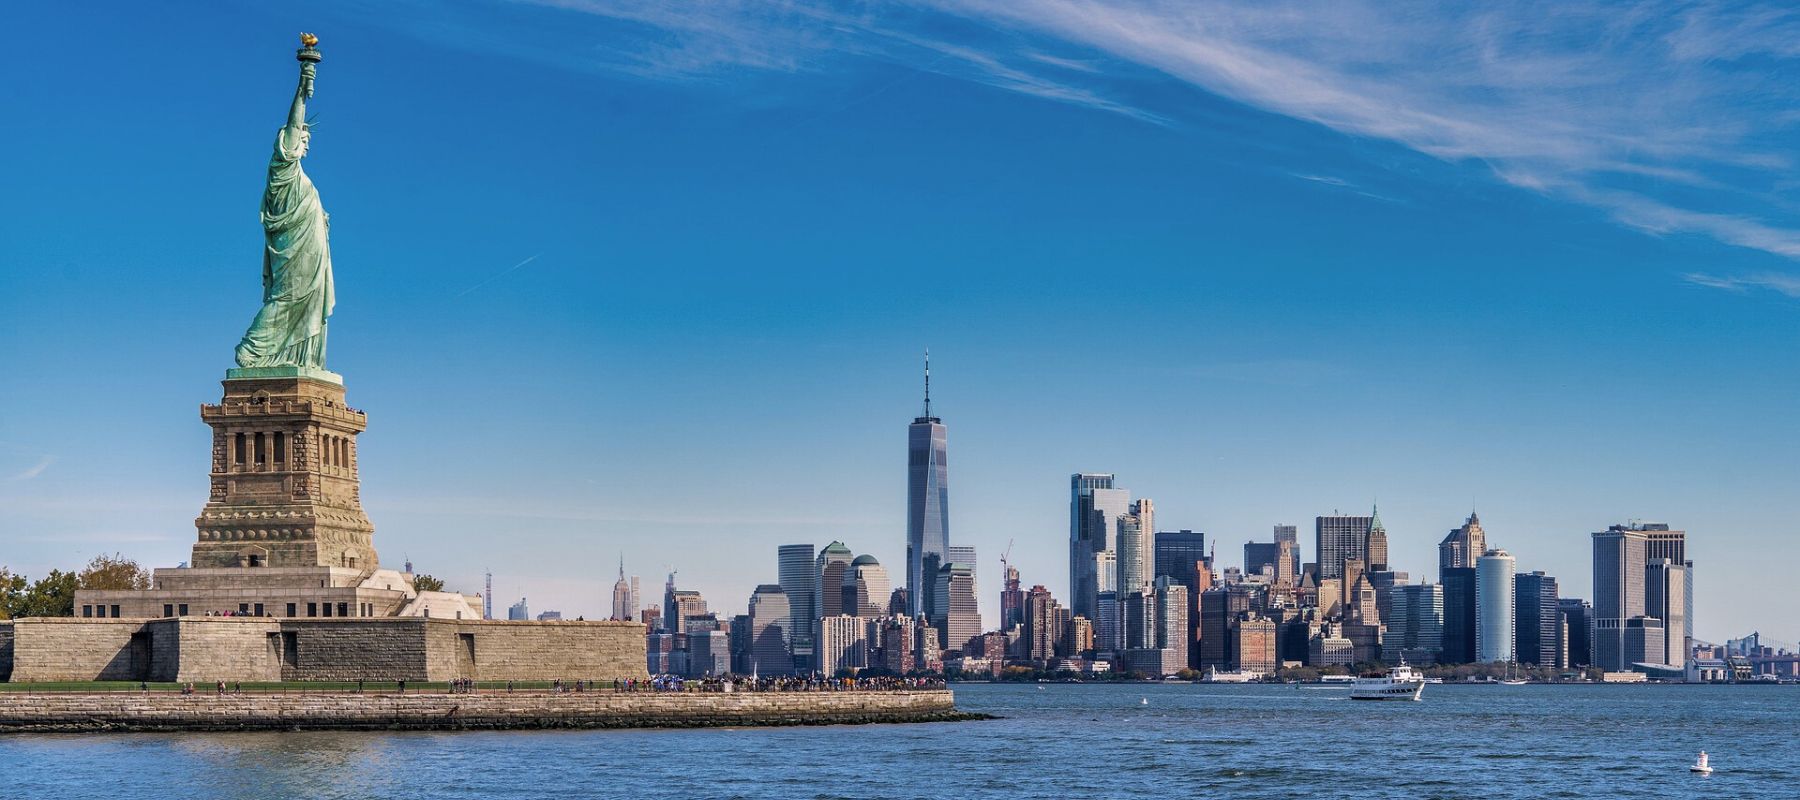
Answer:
(297, 286)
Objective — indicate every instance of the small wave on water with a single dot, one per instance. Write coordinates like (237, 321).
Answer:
(1251, 772)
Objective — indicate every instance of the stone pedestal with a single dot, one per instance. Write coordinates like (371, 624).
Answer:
(285, 489)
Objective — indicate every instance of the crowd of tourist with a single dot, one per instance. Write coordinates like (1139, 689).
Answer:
(675, 683)
(658, 683)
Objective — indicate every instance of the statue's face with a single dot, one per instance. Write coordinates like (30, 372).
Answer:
(305, 140)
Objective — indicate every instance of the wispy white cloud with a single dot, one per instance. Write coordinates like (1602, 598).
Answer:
(1328, 180)
(1772, 281)
(34, 470)
(1671, 117)
(1571, 99)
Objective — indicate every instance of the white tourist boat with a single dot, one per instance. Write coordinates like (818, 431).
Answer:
(1400, 683)
(1213, 675)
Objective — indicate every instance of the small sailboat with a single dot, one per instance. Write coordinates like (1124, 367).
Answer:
(1512, 678)
(1700, 766)
(1143, 701)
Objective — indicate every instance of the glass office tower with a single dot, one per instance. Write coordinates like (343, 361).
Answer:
(927, 502)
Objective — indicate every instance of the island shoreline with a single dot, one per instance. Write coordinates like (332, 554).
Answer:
(122, 712)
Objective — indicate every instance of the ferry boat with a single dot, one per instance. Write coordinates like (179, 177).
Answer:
(1213, 675)
(1400, 683)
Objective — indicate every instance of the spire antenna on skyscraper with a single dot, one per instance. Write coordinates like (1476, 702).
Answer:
(927, 383)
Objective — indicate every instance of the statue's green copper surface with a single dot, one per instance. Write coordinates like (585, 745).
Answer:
(298, 296)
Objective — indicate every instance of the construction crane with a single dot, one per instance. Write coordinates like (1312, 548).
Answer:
(1004, 563)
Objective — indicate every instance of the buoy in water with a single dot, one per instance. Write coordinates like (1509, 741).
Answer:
(1143, 701)
(1701, 766)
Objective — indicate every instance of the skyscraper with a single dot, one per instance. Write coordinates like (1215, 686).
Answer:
(1109, 631)
(768, 645)
(1494, 610)
(1539, 635)
(958, 617)
(1376, 550)
(1459, 615)
(1138, 610)
(897, 647)
(519, 611)
(1094, 508)
(1291, 535)
(1260, 557)
(1219, 611)
(927, 500)
(1256, 644)
(1415, 624)
(683, 603)
(1172, 629)
(1678, 627)
(1135, 557)
(843, 644)
(1665, 597)
(1462, 546)
(1577, 628)
(965, 554)
(1012, 599)
(798, 575)
(868, 588)
(1619, 567)
(1040, 625)
(668, 602)
(709, 653)
(831, 564)
(1178, 557)
(621, 596)
(1337, 538)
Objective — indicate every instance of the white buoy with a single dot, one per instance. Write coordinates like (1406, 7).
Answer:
(1701, 766)
(1143, 701)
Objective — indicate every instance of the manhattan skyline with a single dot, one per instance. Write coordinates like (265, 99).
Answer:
(690, 322)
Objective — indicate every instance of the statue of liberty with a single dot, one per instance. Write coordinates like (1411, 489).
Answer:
(289, 331)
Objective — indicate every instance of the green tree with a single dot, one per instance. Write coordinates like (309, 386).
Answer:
(426, 583)
(12, 592)
(114, 572)
(51, 596)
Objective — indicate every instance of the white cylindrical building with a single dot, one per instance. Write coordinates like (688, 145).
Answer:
(1494, 611)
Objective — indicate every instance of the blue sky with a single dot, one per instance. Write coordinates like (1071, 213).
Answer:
(654, 279)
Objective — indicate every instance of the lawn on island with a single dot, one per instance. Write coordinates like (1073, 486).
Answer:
(289, 687)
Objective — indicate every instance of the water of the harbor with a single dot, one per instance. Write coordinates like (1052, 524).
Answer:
(1061, 740)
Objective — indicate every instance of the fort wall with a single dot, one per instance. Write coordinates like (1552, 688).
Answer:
(259, 649)
(132, 711)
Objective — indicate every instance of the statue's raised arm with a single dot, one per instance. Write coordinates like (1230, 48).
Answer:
(298, 292)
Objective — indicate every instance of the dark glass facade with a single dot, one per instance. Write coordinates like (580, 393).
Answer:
(1459, 615)
(1539, 625)
(927, 507)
